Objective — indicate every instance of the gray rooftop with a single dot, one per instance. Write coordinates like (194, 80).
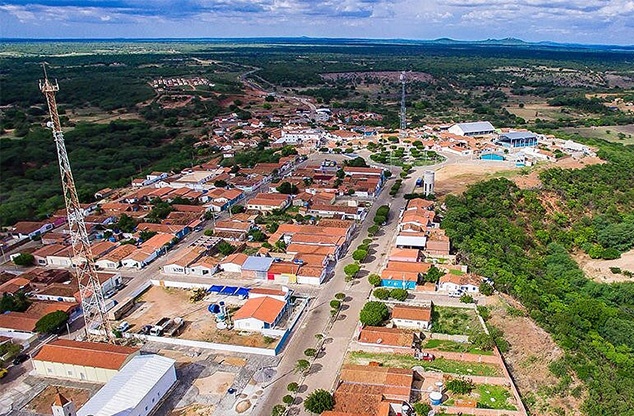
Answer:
(259, 264)
(476, 127)
(517, 135)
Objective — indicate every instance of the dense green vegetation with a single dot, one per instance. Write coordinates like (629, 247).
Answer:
(101, 155)
(507, 234)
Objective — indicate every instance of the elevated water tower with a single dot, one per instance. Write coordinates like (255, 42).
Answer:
(428, 182)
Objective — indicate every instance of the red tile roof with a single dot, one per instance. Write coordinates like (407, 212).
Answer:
(265, 309)
(413, 313)
(89, 354)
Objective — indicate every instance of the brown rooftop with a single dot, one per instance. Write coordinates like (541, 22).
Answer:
(89, 354)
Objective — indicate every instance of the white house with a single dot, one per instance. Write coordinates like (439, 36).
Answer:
(414, 317)
(467, 283)
(259, 313)
(206, 266)
(233, 263)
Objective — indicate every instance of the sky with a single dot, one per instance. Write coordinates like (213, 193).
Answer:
(576, 21)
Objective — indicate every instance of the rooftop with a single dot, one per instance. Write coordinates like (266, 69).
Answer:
(413, 313)
(265, 309)
(89, 354)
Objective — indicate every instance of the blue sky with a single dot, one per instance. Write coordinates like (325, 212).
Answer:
(582, 21)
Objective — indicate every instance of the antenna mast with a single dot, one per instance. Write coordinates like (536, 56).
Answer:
(92, 299)
(403, 110)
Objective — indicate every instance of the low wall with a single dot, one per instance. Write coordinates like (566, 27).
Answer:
(180, 285)
(210, 345)
(446, 337)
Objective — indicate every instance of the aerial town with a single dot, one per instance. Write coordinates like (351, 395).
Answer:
(326, 273)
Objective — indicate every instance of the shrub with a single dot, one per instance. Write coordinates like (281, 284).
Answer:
(460, 386)
(484, 312)
(615, 270)
(310, 352)
(340, 296)
(399, 294)
(374, 279)
(422, 408)
(373, 313)
(367, 241)
(372, 230)
(335, 304)
(319, 401)
(482, 341)
(466, 299)
(209, 232)
(381, 293)
(486, 289)
(293, 387)
(288, 399)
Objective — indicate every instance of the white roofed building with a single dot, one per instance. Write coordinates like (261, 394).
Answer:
(136, 390)
(478, 128)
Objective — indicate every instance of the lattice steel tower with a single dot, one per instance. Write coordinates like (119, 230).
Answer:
(92, 299)
(403, 109)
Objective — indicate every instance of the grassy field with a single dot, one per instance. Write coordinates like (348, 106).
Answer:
(439, 364)
(452, 346)
(494, 397)
(618, 134)
(455, 321)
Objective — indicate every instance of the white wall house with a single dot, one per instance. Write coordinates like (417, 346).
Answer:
(414, 317)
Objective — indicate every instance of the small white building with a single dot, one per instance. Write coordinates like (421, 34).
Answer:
(259, 313)
(136, 390)
(414, 317)
(467, 283)
(478, 128)
(233, 263)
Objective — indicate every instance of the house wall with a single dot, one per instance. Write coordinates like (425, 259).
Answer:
(407, 323)
(174, 269)
(201, 271)
(154, 396)
(107, 264)
(248, 324)
(307, 280)
(232, 268)
(59, 261)
(70, 371)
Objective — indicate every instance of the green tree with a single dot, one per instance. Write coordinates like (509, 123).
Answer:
(433, 275)
(381, 293)
(288, 399)
(359, 254)
(372, 230)
(310, 352)
(335, 304)
(319, 401)
(51, 322)
(208, 232)
(17, 302)
(126, 223)
(422, 408)
(225, 248)
(351, 269)
(220, 183)
(278, 410)
(466, 298)
(399, 294)
(301, 366)
(287, 188)
(293, 387)
(24, 259)
(482, 341)
(340, 296)
(373, 313)
(374, 279)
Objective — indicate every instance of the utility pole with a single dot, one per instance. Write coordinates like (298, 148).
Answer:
(92, 299)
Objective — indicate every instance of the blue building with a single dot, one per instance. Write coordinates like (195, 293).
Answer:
(518, 139)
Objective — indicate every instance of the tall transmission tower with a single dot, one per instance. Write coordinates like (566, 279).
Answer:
(92, 299)
(403, 109)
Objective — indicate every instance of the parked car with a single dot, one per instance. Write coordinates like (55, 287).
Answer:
(145, 329)
(20, 358)
(425, 356)
(109, 294)
(123, 326)
(3, 372)
(120, 286)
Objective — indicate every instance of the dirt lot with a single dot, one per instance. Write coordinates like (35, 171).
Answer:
(454, 178)
(200, 325)
(532, 350)
(599, 270)
(609, 133)
(42, 402)
(532, 179)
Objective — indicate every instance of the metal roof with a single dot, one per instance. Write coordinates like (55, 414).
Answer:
(476, 127)
(410, 241)
(259, 264)
(123, 393)
(518, 135)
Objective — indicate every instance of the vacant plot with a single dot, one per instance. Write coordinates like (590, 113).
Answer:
(455, 321)
(41, 403)
(607, 271)
(487, 396)
(618, 134)
(532, 351)
(439, 364)
(200, 325)
(454, 178)
(452, 346)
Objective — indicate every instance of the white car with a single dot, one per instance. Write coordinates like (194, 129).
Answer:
(123, 326)
(455, 293)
